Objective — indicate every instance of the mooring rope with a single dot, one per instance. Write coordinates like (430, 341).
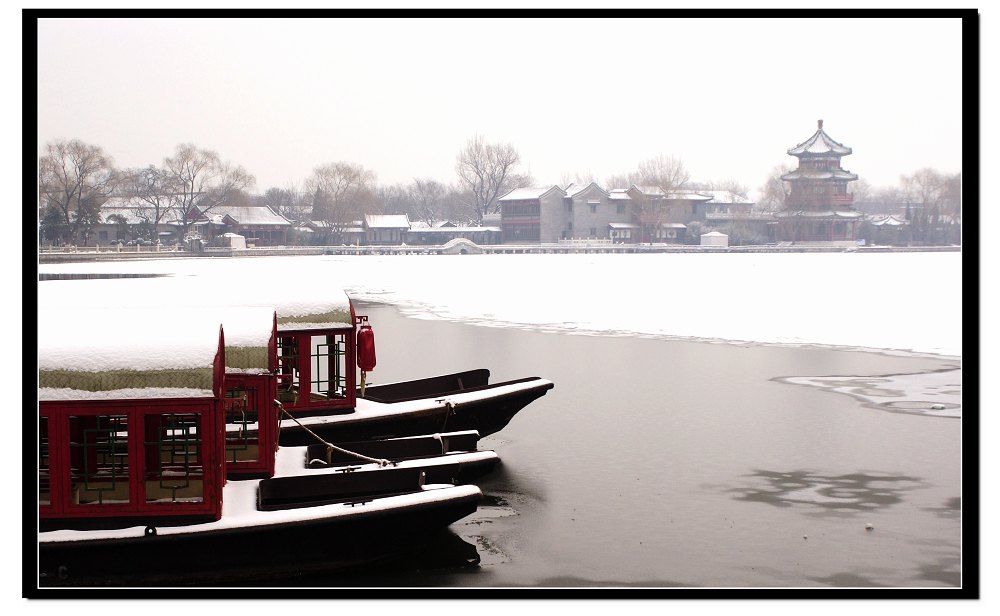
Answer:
(330, 447)
(449, 411)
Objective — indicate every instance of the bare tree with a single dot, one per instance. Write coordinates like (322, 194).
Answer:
(732, 186)
(149, 189)
(288, 202)
(667, 174)
(426, 196)
(342, 193)
(933, 204)
(455, 205)
(621, 180)
(198, 180)
(580, 179)
(885, 200)
(925, 188)
(485, 171)
(951, 197)
(774, 191)
(393, 199)
(74, 181)
(664, 172)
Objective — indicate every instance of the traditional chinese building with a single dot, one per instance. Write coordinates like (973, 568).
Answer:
(819, 208)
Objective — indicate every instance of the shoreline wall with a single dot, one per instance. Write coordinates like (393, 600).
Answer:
(93, 255)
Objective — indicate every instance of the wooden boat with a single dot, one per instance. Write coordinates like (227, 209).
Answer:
(322, 350)
(460, 401)
(162, 472)
(269, 524)
(459, 449)
(159, 462)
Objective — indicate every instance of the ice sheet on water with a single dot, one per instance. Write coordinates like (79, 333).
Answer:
(906, 301)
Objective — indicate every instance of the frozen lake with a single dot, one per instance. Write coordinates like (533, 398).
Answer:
(659, 460)
(902, 301)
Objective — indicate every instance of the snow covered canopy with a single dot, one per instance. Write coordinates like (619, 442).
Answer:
(151, 352)
(126, 354)
(336, 312)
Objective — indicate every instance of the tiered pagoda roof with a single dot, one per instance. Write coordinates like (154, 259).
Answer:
(806, 173)
(820, 144)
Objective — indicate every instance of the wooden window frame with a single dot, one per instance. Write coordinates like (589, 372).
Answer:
(211, 428)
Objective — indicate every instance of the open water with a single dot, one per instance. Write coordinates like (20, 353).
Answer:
(675, 464)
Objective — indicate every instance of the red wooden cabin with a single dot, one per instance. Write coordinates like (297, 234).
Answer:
(124, 455)
(127, 447)
(315, 361)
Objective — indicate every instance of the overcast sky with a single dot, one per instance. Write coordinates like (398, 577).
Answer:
(575, 96)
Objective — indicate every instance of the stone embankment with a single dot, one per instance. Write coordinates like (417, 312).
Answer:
(81, 254)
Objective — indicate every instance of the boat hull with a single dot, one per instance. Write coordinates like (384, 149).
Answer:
(486, 409)
(457, 450)
(216, 556)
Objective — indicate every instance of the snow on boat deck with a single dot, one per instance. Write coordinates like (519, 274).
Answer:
(370, 409)
(239, 501)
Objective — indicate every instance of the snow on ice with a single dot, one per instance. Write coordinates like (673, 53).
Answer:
(909, 302)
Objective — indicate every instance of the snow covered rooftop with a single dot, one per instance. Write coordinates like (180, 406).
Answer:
(135, 211)
(659, 193)
(126, 351)
(819, 174)
(168, 335)
(329, 313)
(689, 195)
(250, 215)
(819, 214)
(54, 394)
(575, 189)
(247, 215)
(107, 339)
(446, 230)
(536, 192)
(890, 221)
(725, 196)
(387, 221)
(649, 191)
(819, 144)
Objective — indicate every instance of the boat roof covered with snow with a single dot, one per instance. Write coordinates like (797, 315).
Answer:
(158, 452)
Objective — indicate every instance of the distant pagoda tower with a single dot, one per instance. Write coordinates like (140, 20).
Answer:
(819, 208)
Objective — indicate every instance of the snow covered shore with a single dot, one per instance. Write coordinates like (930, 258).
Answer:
(909, 302)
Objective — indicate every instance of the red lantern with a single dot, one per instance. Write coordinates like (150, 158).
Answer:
(366, 348)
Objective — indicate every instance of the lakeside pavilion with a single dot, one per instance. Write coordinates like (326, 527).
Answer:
(818, 208)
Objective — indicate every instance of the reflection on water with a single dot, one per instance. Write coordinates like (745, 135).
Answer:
(633, 470)
(669, 464)
(853, 492)
(490, 552)
(848, 580)
(441, 554)
(399, 565)
(946, 570)
(951, 509)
